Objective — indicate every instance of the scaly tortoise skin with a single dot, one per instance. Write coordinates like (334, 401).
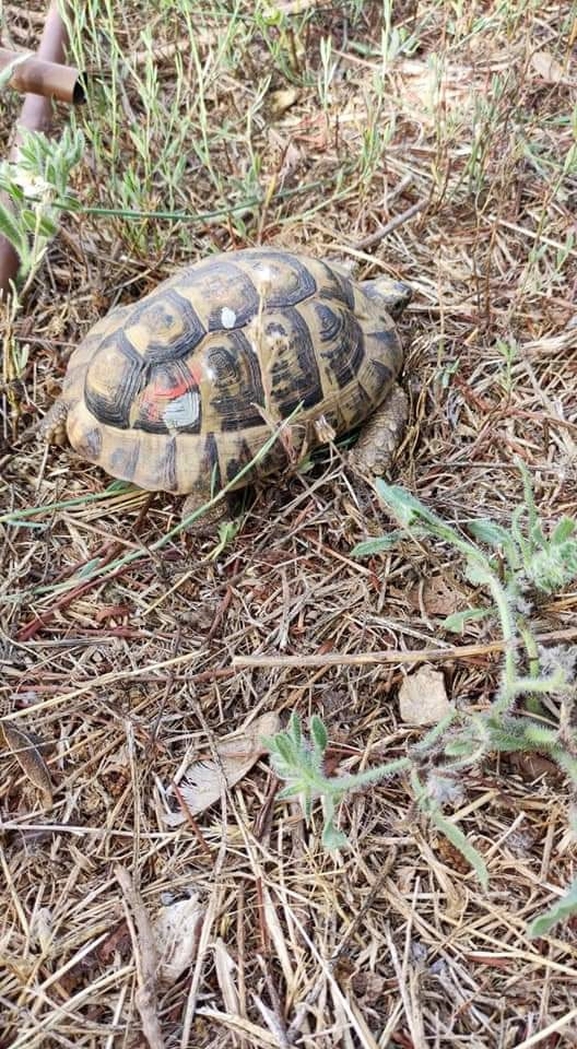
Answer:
(177, 392)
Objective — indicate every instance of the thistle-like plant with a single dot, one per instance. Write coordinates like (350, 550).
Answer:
(514, 565)
(300, 760)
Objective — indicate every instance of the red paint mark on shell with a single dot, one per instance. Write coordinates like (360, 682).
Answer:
(170, 382)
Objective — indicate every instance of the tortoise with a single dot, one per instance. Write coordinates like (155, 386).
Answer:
(177, 392)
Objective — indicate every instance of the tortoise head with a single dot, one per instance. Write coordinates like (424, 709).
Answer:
(394, 294)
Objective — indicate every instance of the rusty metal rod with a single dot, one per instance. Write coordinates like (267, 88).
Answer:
(35, 116)
(51, 79)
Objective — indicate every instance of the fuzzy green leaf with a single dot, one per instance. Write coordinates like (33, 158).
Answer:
(517, 534)
(10, 229)
(319, 733)
(554, 567)
(282, 748)
(295, 728)
(418, 519)
(406, 508)
(377, 545)
(272, 16)
(332, 837)
(534, 526)
(477, 573)
(35, 222)
(14, 191)
(462, 746)
(507, 734)
(561, 910)
(457, 620)
(566, 761)
(458, 839)
(564, 530)
(450, 830)
(290, 791)
(47, 227)
(489, 532)
(28, 219)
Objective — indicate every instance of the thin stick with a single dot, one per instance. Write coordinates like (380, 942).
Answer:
(418, 655)
(393, 224)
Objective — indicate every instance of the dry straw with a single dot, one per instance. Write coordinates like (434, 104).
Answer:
(459, 118)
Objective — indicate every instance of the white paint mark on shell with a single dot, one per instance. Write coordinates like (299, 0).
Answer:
(227, 317)
(182, 411)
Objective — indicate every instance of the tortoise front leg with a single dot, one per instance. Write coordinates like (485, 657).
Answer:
(381, 436)
(52, 428)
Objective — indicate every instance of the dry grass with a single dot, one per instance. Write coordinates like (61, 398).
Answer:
(129, 672)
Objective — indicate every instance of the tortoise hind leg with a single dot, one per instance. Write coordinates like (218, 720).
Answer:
(381, 436)
(207, 523)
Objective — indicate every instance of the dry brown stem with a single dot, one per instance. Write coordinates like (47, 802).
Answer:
(146, 959)
(421, 655)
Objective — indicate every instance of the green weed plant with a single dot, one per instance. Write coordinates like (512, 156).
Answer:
(36, 188)
(514, 565)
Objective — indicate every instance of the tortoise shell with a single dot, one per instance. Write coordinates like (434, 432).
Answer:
(177, 392)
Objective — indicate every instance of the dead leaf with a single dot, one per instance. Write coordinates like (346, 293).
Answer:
(369, 987)
(547, 67)
(41, 928)
(280, 101)
(207, 779)
(117, 942)
(450, 856)
(225, 973)
(423, 698)
(292, 159)
(439, 598)
(532, 767)
(176, 931)
(25, 747)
